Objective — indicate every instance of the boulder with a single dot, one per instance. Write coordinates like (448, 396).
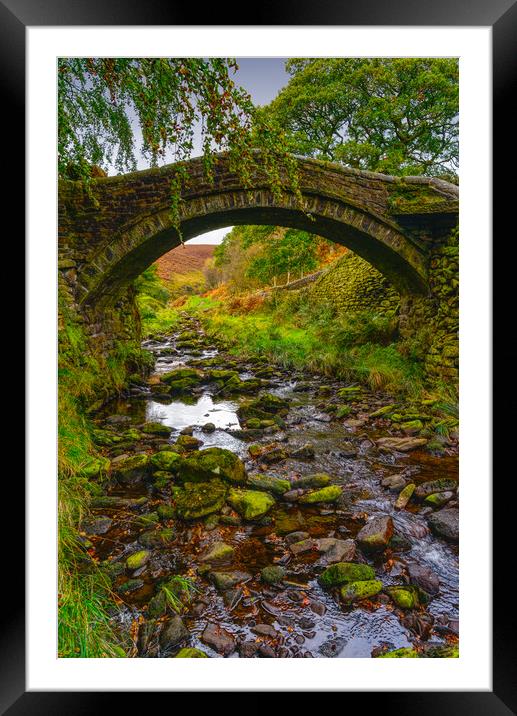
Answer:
(173, 633)
(98, 525)
(319, 479)
(405, 597)
(270, 484)
(336, 550)
(445, 523)
(218, 552)
(273, 574)
(166, 460)
(354, 591)
(213, 463)
(250, 504)
(443, 484)
(343, 572)
(226, 580)
(219, 639)
(129, 470)
(424, 578)
(196, 500)
(156, 429)
(376, 533)
(326, 494)
(138, 559)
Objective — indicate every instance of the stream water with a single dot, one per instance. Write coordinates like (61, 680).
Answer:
(295, 617)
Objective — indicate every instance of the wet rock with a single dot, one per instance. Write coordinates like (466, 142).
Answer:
(376, 533)
(333, 647)
(272, 454)
(271, 484)
(187, 443)
(118, 502)
(272, 574)
(306, 545)
(305, 452)
(326, 494)
(191, 653)
(353, 591)
(219, 639)
(189, 430)
(173, 633)
(218, 552)
(443, 484)
(227, 580)
(156, 429)
(248, 649)
(293, 495)
(167, 460)
(445, 523)
(231, 597)
(156, 538)
(317, 607)
(293, 537)
(424, 577)
(343, 572)
(212, 463)
(208, 428)
(404, 496)
(138, 559)
(439, 499)
(196, 500)
(129, 470)
(250, 504)
(347, 450)
(96, 525)
(118, 419)
(319, 479)
(266, 651)
(336, 550)
(394, 482)
(265, 630)
(401, 444)
(404, 597)
(157, 606)
(132, 585)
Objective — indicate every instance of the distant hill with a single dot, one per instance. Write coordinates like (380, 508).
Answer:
(183, 259)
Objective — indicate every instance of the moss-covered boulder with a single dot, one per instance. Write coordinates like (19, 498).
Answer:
(268, 483)
(156, 538)
(156, 429)
(165, 512)
(129, 469)
(405, 597)
(166, 460)
(404, 496)
(326, 494)
(273, 574)
(191, 652)
(218, 552)
(343, 572)
(319, 479)
(250, 504)
(138, 559)
(376, 533)
(353, 591)
(443, 484)
(95, 467)
(195, 500)
(186, 443)
(213, 463)
(179, 374)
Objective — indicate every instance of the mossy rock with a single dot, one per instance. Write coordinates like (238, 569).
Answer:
(405, 652)
(166, 460)
(156, 429)
(131, 468)
(343, 572)
(273, 574)
(342, 411)
(147, 520)
(138, 559)
(250, 504)
(182, 386)
(132, 585)
(353, 591)
(438, 499)
(181, 374)
(187, 443)
(218, 552)
(213, 463)
(271, 484)
(443, 484)
(326, 494)
(165, 512)
(253, 424)
(156, 538)
(191, 652)
(405, 597)
(318, 479)
(196, 500)
(221, 374)
(95, 467)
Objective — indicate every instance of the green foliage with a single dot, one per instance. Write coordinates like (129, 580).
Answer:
(152, 299)
(103, 102)
(396, 115)
(178, 591)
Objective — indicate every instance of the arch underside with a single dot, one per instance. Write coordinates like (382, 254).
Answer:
(137, 247)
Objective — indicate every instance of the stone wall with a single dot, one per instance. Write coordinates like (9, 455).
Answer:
(352, 284)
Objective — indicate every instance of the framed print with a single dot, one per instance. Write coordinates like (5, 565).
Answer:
(272, 342)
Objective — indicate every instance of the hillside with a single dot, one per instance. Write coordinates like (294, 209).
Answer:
(183, 259)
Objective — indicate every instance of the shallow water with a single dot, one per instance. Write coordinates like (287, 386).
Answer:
(342, 631)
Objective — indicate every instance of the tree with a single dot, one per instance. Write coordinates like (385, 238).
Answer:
(102, 102)
(396, 116)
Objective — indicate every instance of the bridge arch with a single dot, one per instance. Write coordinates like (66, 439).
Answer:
(126, 225)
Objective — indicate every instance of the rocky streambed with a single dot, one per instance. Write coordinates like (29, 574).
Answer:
(244, 510)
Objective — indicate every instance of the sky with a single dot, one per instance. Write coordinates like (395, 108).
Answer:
(263, 78)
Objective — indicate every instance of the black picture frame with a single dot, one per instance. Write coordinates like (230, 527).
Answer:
(501, 15)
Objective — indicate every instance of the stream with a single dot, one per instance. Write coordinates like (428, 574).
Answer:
(288, 611)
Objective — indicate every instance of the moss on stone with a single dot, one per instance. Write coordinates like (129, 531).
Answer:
(250, 504)
(343, 572)
(354, 591)
(213, 463)
(326, 494)
(196, 500)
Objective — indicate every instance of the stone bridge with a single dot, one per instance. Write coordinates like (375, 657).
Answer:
(108, 237)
